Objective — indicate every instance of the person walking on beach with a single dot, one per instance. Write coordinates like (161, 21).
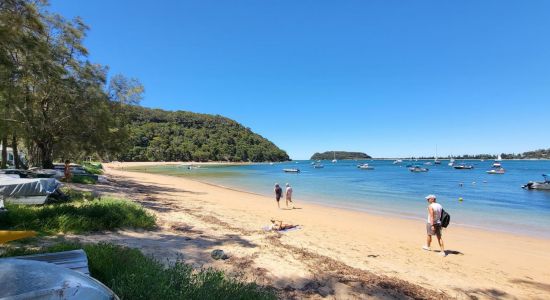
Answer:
(433, 226)
(278, 194)
(288, 195)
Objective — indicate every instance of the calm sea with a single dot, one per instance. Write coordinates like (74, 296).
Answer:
(489, 201)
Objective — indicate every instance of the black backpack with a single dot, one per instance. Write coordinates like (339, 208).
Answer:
(445, 218)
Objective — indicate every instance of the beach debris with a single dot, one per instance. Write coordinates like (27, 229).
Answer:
(219, 254)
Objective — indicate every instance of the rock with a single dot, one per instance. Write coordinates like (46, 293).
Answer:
(324, 291)
(219, 254)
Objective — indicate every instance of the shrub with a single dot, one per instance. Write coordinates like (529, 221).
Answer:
(77, 216)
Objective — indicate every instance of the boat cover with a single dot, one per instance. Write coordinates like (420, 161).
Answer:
(28, 279)
(25, 187)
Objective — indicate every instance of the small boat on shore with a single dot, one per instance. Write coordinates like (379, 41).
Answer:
(365, 167)
(463, 167)
(496, 171)
(291, 170)
(418, 169)
(539, 185)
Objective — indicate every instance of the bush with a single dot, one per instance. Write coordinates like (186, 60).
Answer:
(93, 168)
(83, 179)
(132, 275)
(77, 216)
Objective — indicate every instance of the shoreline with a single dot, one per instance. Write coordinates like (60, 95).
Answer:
(478, 261)
(521, 232)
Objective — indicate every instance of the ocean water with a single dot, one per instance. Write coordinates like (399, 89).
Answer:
(495, 202)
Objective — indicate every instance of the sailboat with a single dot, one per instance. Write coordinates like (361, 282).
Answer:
(334, 160)
(497, 163)
(451, 162)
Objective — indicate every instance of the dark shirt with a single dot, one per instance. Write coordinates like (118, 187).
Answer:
(278, 191)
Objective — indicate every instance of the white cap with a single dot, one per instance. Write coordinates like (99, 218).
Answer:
(431, 196)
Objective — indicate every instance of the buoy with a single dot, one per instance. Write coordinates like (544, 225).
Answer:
(460, 199)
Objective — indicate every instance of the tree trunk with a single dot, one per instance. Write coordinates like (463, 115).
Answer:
(4, 164)
(46, 156)
(16, 160)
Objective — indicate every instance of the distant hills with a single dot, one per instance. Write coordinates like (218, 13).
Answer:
(160, 135)
(340, 155)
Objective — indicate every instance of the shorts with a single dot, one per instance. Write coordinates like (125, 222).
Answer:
(289, 199)
(436, 231)
(278, 198)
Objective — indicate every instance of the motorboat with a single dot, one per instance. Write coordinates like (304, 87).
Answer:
(539, 185)
(398, 161)
(318, 166)
(463, 167)
(365, 167)
(429, 163)
(291, 170)
(496, 171)
(437, 161)
(418, 169)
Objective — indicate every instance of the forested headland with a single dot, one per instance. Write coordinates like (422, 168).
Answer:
(56, 104)
(329, 155)
(185, 136)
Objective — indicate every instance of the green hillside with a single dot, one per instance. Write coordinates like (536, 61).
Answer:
(329, 155)
(159, 135)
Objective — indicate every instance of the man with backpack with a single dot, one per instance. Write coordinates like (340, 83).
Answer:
(433, 226)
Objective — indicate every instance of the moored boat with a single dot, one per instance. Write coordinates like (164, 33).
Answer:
(318, 166)
(398, 161)
(418, 169)
(539, 185)
(496, 171)
(365, 167)
(463, 167)
(291, 170)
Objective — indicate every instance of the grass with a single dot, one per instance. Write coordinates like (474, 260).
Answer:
(132, 275)
(82, 213)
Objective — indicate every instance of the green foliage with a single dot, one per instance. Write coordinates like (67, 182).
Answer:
(329, 155)
(93, 168)
(158, 135)
(84, 179)
(132, 275)
(76, 216)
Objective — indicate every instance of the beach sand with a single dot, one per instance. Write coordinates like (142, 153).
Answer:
(337, 253)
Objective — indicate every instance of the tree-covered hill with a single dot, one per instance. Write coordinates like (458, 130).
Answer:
(159, 135)
(329, 155)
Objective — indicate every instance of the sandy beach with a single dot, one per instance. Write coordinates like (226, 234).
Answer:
(337, 253)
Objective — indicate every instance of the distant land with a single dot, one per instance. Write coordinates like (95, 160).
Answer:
(342, 155)
(161, 135)
(535, 154)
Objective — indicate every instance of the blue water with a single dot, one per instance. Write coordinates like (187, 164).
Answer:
(489, 201)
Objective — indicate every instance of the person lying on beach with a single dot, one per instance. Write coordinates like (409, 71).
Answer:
(278, 225)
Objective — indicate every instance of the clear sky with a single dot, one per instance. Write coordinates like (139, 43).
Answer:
(389, 78)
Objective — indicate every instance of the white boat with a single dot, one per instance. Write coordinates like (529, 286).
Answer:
(334, 160)
(418, 169)
(496, 171)
(26, 190)
(365, 167)
(463, 167)
(291, 170)
(436, 160)
(451, 162)
(318, 166)
(398, 161)
(429, 163)
(539, 185)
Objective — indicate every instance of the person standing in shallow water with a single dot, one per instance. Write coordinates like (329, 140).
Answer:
(433, 226)
(288, 195)
(278, 194)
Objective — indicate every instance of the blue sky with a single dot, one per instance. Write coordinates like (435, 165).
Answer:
(389, 78)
